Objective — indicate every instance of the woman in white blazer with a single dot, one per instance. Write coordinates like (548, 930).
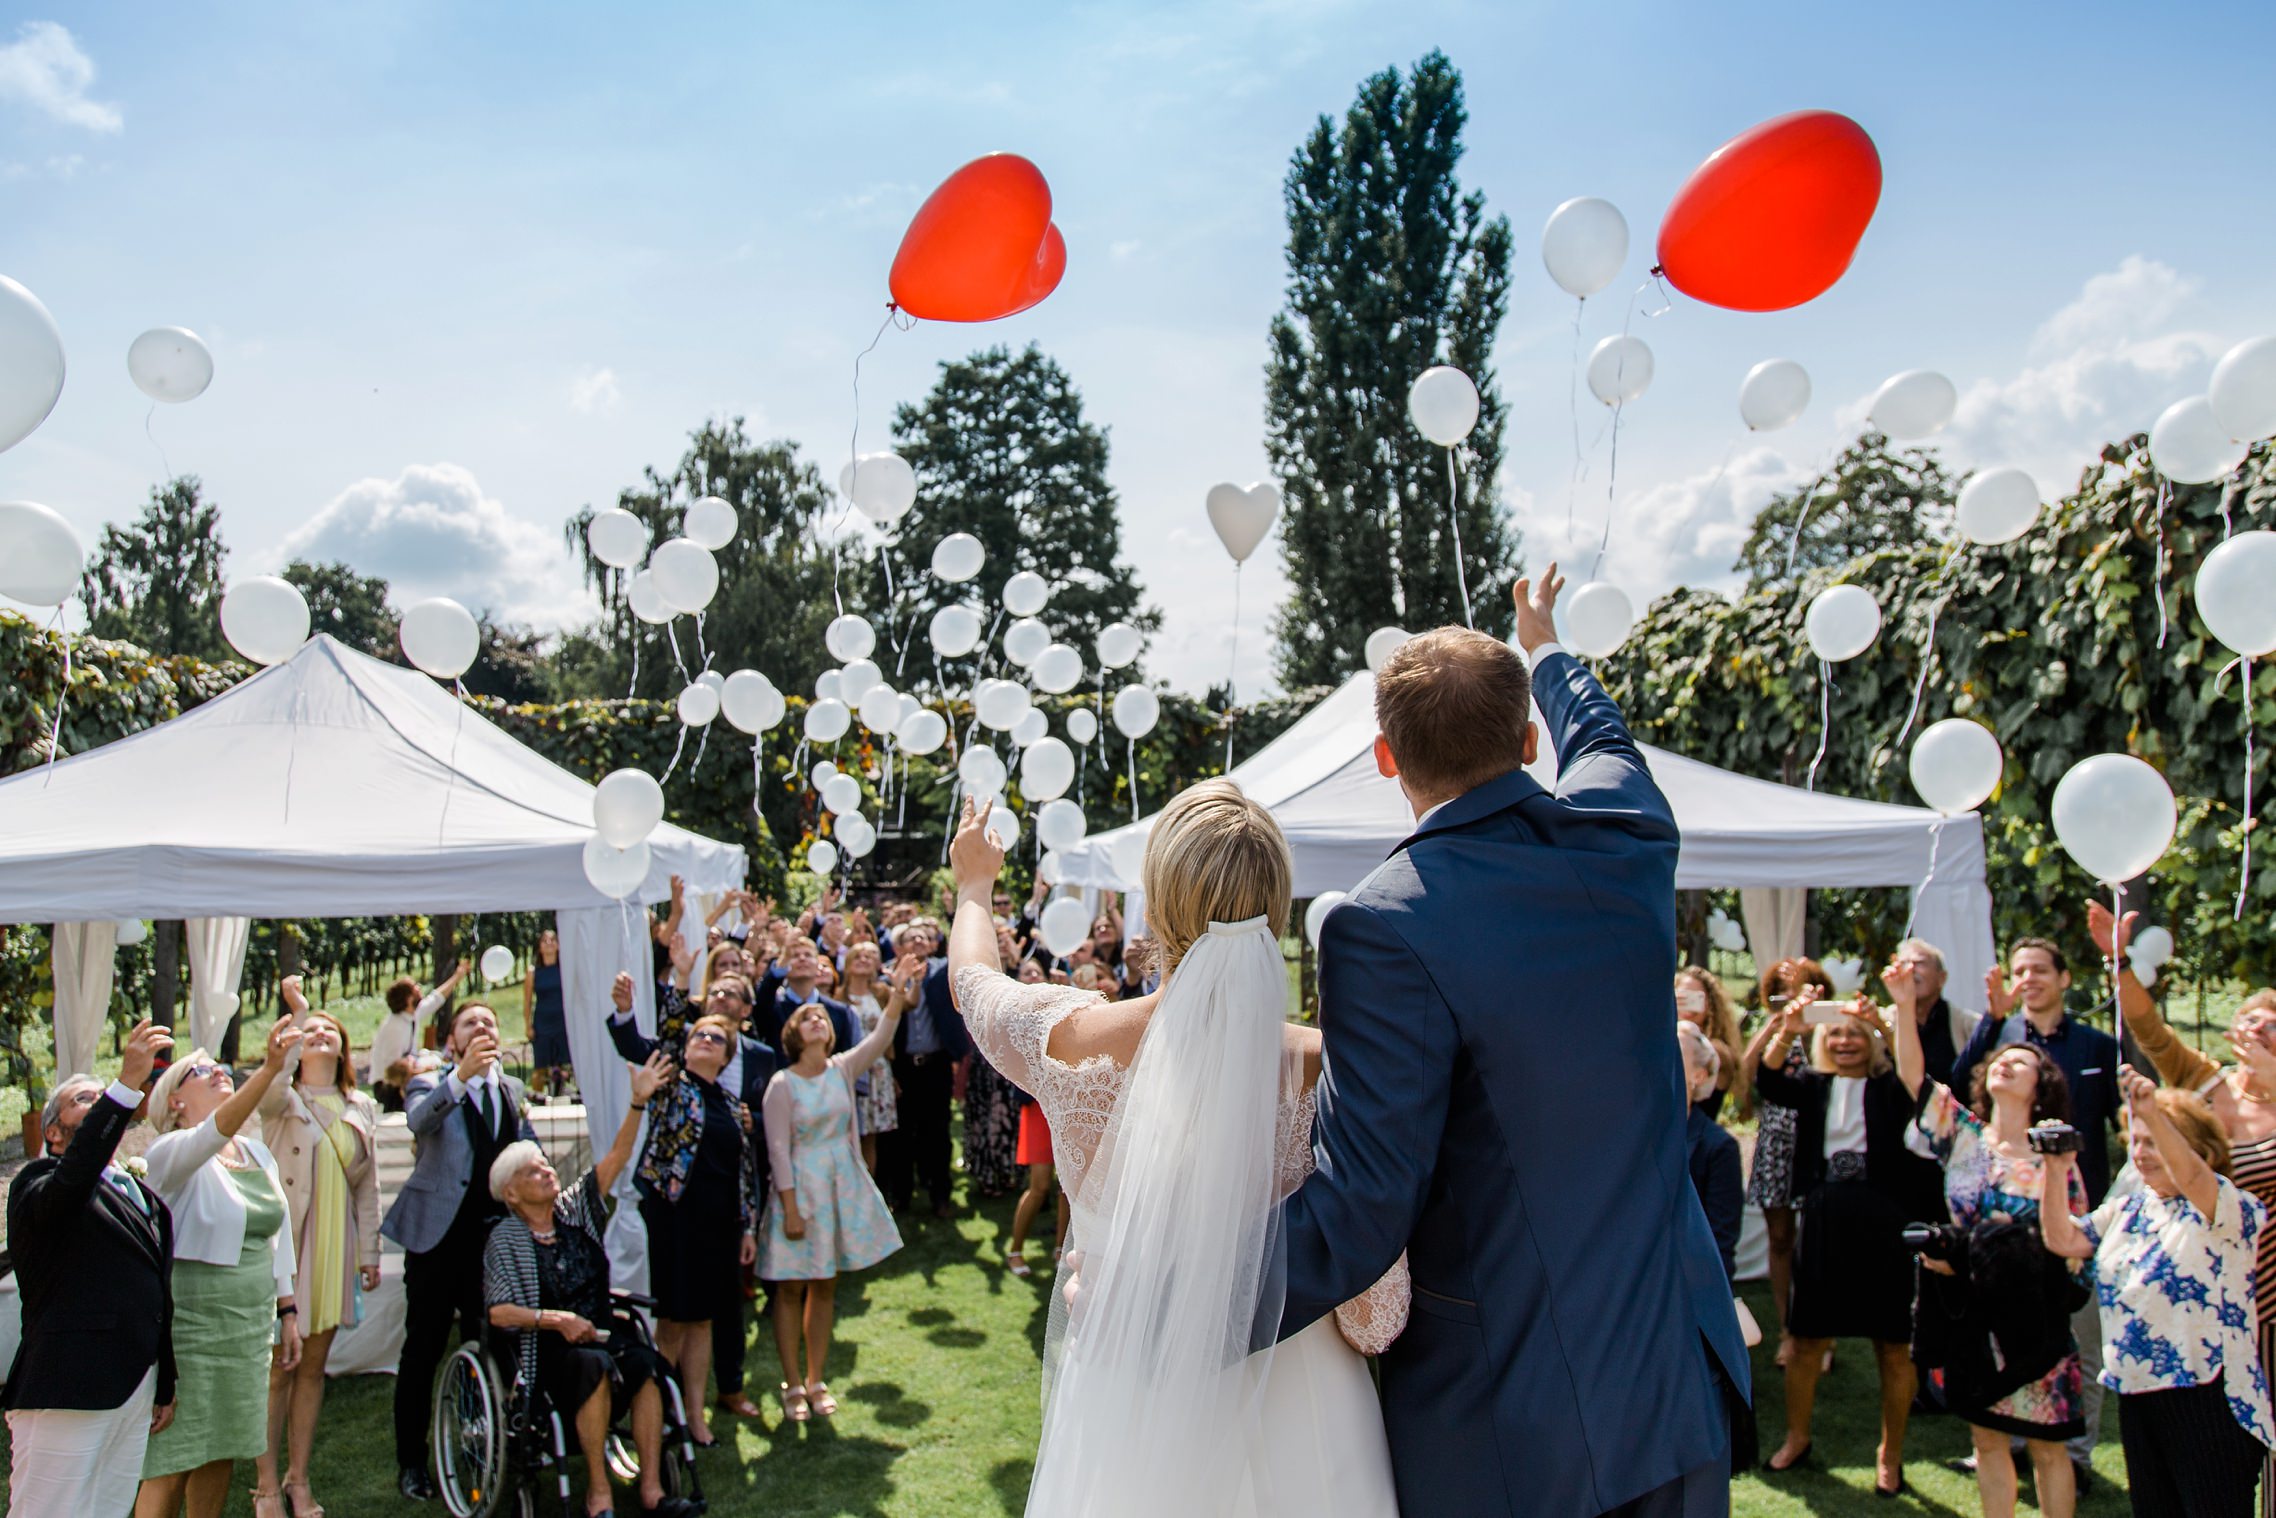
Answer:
(233, 1280)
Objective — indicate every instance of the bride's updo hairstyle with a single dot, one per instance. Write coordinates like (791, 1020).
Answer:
(1214, 856)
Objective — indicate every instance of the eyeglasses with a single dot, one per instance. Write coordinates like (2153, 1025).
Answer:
(203, 1070)
(707, 1036)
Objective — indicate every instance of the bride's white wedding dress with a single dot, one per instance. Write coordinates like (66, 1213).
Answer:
(1312, 1424)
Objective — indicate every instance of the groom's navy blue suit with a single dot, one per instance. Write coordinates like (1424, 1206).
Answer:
(1503, 1099)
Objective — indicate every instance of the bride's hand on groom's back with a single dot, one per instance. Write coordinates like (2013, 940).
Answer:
(975, 857)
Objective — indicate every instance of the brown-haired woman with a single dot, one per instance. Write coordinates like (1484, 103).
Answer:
(1770, 1179)
(1701, 1001)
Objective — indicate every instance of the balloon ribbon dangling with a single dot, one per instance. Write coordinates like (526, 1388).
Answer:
(451, 784)
(1928, 643)
(1573, 398)
(1935, 840)
(2117, 919)
(634, 686)
(700, 745)
(673, 633)
(1133, 780)
(1825, 721)
(2157, 564)
(1233, 662)
(1454, 519)
(2244, 877)
(55, 732)
(676, 747)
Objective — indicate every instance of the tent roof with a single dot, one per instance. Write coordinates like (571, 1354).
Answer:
(1342, 818)
(330, 785)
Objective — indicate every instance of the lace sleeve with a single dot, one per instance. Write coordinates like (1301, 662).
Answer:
(1011, 1023)
(1371, 1320)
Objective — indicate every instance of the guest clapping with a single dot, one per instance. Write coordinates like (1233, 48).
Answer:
(233, 1280)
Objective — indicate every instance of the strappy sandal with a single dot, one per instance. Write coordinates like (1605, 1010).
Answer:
(275, 1501)
(1018, 1266)
(818, 1394)
(794, 1404)
(312, 1509)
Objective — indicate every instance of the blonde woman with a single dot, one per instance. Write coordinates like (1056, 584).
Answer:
(325, 1134)
(1701, 1001)
(877, 1101)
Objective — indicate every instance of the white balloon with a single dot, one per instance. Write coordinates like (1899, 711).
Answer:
(822, 857)
(1997, 506)
(1082, 724)
(31, 363)
(1842, 622)
(1002, 825)
(958, 557)
(2152, 946)
(40, 557)
(1242, 517)
(687, 576)
(830, 685)
(1066, 924)
(822, 774)
(1136, 710)
(2114, 816)
(910, 706)
(264, 618)
(1845, 973)
(1026, 593)
(842, 794)
(709, 523)
(1956, 765)
(1046, 770)
(1050, 869)
(617, 537)
(827, 721)
(955, 631)
(856, 835)
(2189, 447)
(1129, 856)
(1619, 369)
(1443, 404)
(922, 732)
(1059, 823)
(1057, 670)
(646, 603)
(857, 680)
(1773, 395)
(1118, 644)
(881, 486)
(497, 963)
(131, 931)
(1031, 728)
(1381, 644)
(849, 638)
(628, 805)
(1584, 245)
(712, 678)
(881, 709)
(1914, 404)
(170, 364)
(2242, 393)
(440, 637)
(750, 702)
(2236, 593)
(1025, 639)
(1000, 704)
(698, 704)
(1598, 619)
(615, 872)
(1316, 915)
(981, 771)
(2143, 972)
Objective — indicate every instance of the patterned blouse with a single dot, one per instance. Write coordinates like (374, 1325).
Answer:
(675, 1121)
(2176, 1297)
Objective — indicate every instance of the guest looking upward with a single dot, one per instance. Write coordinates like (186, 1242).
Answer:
(1771, 1183)
(1944, 1028)
(1701, 1001)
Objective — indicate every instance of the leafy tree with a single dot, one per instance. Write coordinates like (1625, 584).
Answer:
(1002, 451)
(158, 583)
(1391, 269)
(512, 663)
(1874, 497)
(349, 606)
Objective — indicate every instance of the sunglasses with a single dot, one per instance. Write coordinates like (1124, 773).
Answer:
(707, 1036)
(203, 1070)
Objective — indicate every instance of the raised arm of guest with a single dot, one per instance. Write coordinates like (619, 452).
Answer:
(1912, 1062)
(649, 1076)
(908, 985)
(2177, 1064)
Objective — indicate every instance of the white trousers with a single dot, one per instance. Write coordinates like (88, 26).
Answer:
(79, 1464)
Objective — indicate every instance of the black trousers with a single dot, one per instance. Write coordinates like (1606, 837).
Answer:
(924, 1155)
(2186, 1455)
(442, 1303)
(1703, 1493)
(729, 1339)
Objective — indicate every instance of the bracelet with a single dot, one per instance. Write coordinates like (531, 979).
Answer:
(287, 1312)
(639, 1106)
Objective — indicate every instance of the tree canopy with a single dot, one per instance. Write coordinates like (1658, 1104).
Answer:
(1875, 496)
(157, 583)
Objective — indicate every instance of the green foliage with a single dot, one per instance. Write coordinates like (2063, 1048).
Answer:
(158, 583)
(349, 606)
(1391, 269)
(1874, 497)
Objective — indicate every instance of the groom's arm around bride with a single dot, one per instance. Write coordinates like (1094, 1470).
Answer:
(1503, 1098)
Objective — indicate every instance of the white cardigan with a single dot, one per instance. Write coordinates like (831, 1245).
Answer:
(209, 1215)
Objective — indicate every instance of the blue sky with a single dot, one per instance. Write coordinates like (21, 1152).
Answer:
(467, 268)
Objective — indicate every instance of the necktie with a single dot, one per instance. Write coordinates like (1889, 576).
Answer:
(482, 1104)
(127, 1188)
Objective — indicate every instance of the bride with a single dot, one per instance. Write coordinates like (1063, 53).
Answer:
(1179, 1121)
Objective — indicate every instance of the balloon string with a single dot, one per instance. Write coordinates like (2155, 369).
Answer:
(1133, 780)
(451, 784)
(2157, 563)
(1454, 518)
(700, 745)
(1935, 840)
(1825, 721)
(1573, 404)
(55, 731)
(2244, 876)
(676, 747)
(2228, 495)
(1928, 643)
(673, 633)
(758, 773)
(1611, 488)
(2117, 924)
(853, 447)
(700, 651)
(163, 462)
(1233, 669)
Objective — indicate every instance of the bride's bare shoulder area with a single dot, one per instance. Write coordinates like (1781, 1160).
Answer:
(1101, 1029)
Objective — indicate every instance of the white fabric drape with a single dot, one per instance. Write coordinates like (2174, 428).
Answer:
(596, 944)
(1774, 917)
(214, 948)
(1955, 915)
(84, 954)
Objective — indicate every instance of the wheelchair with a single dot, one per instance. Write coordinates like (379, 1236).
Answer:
(499, 1449)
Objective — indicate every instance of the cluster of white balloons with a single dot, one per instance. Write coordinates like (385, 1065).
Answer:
(628, 805)
(2200, 439)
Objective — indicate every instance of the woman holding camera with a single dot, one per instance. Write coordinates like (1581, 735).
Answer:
(1991, 1170)
(1701, 1001)
(1770, 1182)
(2173, 1268)
(1857, 1187)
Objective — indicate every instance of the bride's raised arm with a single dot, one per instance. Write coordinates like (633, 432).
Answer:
(976, 859)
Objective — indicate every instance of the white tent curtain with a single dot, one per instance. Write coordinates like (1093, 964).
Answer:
(215, 949)
(1775, 917)
(84, 954)
(596, 944)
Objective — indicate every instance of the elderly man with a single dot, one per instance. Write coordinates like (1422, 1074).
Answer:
(1944, 1028)
(94, 1377)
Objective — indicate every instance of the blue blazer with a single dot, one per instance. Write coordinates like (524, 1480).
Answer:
(1503, 1099)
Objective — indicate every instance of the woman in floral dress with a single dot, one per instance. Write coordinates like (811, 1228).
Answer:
(1770, 1178)
(877, 1100)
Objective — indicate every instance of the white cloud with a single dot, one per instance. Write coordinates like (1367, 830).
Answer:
(431, 531)
(45, 69)
(1684, 531)
(594, 391)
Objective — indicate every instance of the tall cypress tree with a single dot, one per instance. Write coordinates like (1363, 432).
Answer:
(158, 583)
(1391, 269)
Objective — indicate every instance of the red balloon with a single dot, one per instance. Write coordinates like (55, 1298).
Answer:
(1772, 218)
(981, 246)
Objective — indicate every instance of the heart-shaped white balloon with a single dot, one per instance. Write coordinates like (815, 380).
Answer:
(1243, 517)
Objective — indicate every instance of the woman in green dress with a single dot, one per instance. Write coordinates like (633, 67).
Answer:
(233, 1280)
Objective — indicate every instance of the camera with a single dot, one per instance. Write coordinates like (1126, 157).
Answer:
(1938, 1241)
(2054, 1138)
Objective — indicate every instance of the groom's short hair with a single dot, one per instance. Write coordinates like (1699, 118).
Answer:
(1453, 705)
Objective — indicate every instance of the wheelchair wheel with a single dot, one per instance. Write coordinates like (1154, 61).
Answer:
(469, 1435)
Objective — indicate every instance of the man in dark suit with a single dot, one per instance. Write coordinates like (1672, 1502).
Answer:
(926, 1048)
(798, 981)
(1515, 1120)
(94, 1253)
(461, 1118)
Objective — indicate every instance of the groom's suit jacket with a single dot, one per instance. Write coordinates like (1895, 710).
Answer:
(1503, 1098)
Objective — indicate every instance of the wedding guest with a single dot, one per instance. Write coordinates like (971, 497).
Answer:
(1857, 1186)
(930, 1045)
(401, 1031)
(2171, 1265)
(1770, 1184)
(826, 1216)
(1717, 1172)
(1944, 1028)
(93, 1377)
(801, 985)
(877, 1099)
(325, 1136)
(545, 1019)
(1701, 1001)
(233, 1280)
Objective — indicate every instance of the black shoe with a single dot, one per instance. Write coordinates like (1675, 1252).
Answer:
(2084, 1475)
(413, 1482)
(1891, 1491)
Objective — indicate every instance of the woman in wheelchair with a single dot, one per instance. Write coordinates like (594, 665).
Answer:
(545, 1278)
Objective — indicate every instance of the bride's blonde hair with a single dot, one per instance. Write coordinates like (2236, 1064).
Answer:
(1214, 856)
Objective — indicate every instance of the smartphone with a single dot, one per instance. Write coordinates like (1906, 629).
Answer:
(1690, 999)
(1819, 1013)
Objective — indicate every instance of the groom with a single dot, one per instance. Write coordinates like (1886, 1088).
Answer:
(1515, 1120)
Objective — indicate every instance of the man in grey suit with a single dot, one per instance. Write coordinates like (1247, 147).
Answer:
(461, 1117)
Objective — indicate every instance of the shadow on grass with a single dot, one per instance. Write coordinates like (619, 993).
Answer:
(1010, 1480)
(890, 1405)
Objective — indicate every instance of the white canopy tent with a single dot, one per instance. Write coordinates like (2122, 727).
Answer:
(1342, 818)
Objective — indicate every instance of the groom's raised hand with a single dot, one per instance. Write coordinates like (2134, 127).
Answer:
(1536, 610)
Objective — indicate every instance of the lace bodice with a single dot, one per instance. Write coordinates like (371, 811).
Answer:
(1011, 1026)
